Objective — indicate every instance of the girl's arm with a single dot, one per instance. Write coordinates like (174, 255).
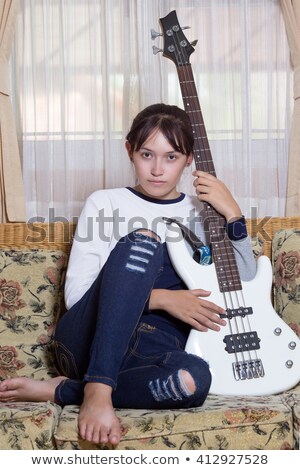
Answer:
(90, 247)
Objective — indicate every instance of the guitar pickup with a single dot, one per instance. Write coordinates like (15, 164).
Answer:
(237, 312)
(241, 342)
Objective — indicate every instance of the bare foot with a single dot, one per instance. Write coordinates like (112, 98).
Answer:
(97, 420)
(26, 389)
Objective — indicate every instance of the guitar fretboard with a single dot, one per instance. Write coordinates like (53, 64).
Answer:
(222, 250)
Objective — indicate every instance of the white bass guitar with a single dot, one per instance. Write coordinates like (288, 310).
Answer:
(256, 353)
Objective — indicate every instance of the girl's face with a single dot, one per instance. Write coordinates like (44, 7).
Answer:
(158, 167)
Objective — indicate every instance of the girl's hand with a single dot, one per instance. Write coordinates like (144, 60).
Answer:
(189, 307)
(213, 191)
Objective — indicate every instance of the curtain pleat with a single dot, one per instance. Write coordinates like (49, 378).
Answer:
(12, 208)
(291, 14)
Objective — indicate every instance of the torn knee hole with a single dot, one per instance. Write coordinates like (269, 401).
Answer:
(187, 381)
(177, 386)
(142, 250)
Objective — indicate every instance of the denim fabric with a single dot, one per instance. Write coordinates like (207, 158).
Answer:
(101, 338)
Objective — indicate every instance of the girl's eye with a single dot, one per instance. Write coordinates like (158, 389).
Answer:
(146, 154)
(172, 157)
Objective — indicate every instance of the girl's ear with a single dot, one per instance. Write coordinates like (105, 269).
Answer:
(189, 159)
(128, 148)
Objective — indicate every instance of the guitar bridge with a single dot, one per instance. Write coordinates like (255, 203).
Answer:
(246, 370)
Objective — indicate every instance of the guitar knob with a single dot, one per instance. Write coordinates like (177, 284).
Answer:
(156, 50)
(292, 345)
(289, 364)
(194, 43)
(277, 331)
(155, 34)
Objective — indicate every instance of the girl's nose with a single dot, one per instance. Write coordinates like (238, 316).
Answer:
(157, 168)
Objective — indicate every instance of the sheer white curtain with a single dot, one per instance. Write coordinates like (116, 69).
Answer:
(82, 69)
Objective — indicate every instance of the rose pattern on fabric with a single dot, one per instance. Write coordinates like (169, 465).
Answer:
(246, 416)
(286, 285)
(52, 275)
(9, 363)
(25, 425)
(10, 299)
(287, 269)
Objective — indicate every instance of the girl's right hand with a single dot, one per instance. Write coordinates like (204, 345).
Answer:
(190, 307)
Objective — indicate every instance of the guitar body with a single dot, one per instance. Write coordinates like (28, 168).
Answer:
(274, 349)
(256, 353)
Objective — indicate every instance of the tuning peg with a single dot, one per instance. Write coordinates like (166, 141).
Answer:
(156, 50)
(194, 42)
(186, 27)
(155, 34)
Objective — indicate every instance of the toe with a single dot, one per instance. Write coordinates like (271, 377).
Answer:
(82, 430)
(103, 435)
(115, 434)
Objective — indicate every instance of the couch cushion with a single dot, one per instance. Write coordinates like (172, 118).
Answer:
(286, 266)
(25, 426)
(31, 290)
(221, 423)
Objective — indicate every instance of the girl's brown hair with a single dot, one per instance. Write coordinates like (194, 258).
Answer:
(172, 121)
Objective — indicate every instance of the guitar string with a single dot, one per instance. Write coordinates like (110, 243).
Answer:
(188, 79)
(189, 82)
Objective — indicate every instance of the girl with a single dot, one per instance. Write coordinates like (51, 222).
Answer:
(121, 342)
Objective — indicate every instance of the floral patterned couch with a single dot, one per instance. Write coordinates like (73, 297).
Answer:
(33, 260)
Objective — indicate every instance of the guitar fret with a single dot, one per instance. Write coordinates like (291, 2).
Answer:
(201, 138)
(191, 96)
(224, 264)
(229, 278)
(205, 161)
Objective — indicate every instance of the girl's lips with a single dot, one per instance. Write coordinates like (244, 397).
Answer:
(156, 182)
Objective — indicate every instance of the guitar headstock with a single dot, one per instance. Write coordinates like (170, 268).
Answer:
(176, 46)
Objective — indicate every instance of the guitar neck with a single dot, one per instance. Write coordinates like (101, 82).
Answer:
(224, 259)
(202, 153)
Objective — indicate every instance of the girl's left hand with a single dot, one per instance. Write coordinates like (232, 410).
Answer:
(213, 191)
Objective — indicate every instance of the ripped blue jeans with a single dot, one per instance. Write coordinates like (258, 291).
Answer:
(102, 338)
